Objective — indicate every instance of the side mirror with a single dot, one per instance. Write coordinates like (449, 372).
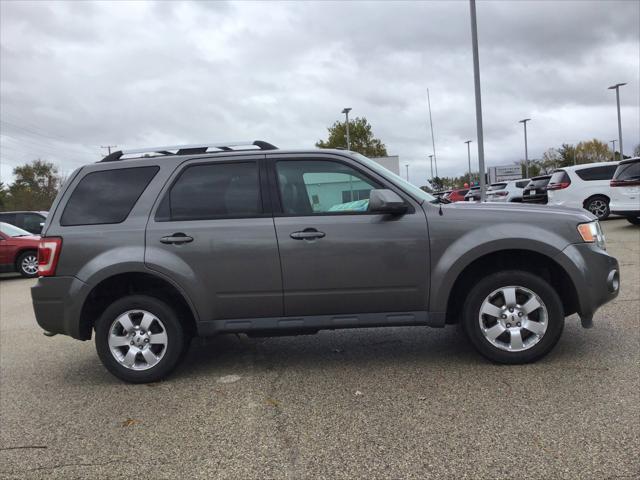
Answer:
(386, 201)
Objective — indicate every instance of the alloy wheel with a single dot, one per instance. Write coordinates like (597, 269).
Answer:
(29, 265)
(138, 340)
(513, 318)
(598, 208)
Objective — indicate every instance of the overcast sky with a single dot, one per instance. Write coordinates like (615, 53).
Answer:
(77, 75)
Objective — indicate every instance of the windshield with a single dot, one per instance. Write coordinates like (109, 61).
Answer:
(12, 230)
(412, 189)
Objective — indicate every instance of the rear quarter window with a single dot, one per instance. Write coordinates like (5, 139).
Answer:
(628, 171)
(597, 173)
(106, 196)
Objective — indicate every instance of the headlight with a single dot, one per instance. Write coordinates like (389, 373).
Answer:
(592, 233)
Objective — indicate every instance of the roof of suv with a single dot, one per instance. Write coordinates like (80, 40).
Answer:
(573, 168)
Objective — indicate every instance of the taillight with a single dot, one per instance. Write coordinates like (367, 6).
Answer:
(48, 254)
(502, 193)
(558, 186)
(624, 183)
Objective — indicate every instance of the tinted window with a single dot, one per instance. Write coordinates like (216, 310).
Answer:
(597, 173)
(214, 190)
(628, 171)
(310, 187)
(106, 196)
(497, 186)
(32, 222)
(539, 182)
(522, 184)
(8, 218)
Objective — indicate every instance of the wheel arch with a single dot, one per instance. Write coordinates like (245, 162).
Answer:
(595, 195)
(512, 259)
(118, 285)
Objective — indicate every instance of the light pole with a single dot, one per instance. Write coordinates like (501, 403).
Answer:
(476, 81)
(616, 87)
(433, 140)
(346, 112)
(469, 157)
(431, 160)
(526, 151)
(407, 167)
(613, 142)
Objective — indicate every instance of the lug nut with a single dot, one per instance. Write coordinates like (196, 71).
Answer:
(131, 343)
(508, 325)
(519, 314)
(503, 316)
(511, 309)
(518, 324)
(146, 340)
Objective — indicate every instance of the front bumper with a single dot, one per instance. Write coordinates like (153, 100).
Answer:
(57, 303)
(595, 275)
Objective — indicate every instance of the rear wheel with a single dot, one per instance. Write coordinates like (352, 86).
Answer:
(599, 206)
(634, 220)
(27, 264)
(513, 317)
(140, 339)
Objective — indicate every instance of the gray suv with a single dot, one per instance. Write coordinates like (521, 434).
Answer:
(148, 248)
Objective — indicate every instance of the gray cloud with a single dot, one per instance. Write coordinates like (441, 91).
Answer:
(77, 75)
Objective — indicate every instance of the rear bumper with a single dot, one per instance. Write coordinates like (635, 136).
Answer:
(57, 303)
(595, 275)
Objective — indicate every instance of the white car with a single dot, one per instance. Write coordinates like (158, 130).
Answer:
(583, 186)
(625, 190)
(507, 191)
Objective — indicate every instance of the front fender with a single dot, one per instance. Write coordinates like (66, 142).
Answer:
(476, 243)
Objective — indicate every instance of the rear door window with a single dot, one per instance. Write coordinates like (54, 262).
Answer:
(106, 196)
(597, 173)
(213, 191)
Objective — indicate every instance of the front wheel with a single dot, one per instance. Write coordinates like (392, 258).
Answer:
(140, 339)
(513, 317)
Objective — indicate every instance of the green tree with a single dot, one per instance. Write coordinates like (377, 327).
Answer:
(361, 138)
(3, 196)
(35, 187)
(636, 151)
(592, 151)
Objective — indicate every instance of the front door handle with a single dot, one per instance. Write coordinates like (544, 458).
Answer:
(176, 239)
(307, 234)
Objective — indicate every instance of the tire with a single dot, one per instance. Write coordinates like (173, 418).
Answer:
(154, 355)
(27, 264)
(634, 220)
(504, 348)
(599, 206)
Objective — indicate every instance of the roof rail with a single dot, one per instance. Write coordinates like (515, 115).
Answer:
(190, 149)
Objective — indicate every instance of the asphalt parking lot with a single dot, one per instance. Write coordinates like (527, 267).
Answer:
(377, 403)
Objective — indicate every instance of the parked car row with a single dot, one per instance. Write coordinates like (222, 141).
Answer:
(601, 188)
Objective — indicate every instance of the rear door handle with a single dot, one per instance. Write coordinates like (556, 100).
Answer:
(307, 234)
(176, 239)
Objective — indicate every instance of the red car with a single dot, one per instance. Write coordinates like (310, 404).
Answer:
(18, 251)
(457, 195)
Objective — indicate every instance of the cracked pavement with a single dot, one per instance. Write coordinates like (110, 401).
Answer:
(378, 403)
